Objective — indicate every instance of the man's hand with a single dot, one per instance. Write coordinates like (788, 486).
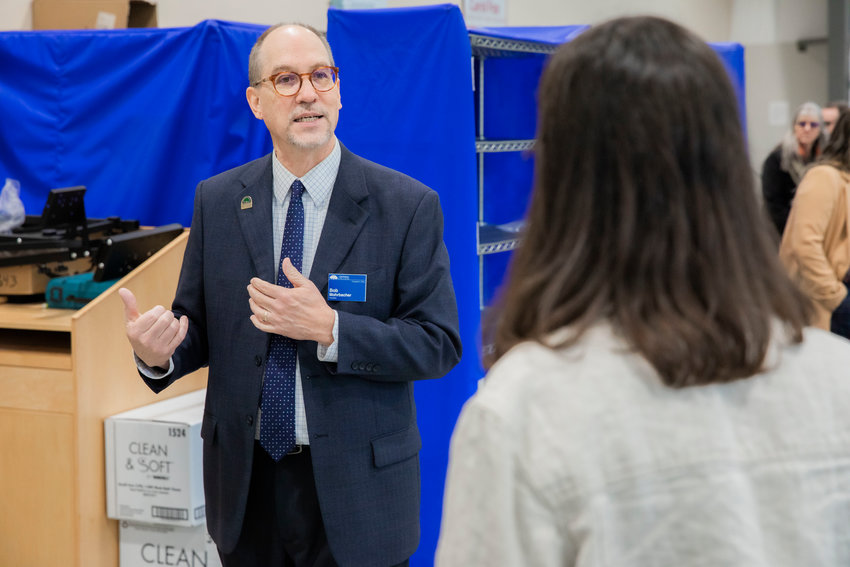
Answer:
(299, 313)
(155, 334)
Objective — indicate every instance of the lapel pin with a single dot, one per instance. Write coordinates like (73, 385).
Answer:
(246, 203)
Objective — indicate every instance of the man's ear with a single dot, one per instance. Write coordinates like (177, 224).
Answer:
(254, 102)
(340, 93)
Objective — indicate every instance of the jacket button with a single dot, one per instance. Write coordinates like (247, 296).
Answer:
(377, 368)
(354, 366)
(370, 367)
(258, 360)
(249, 420)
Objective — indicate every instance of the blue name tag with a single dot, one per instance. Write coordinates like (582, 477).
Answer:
(346, 287)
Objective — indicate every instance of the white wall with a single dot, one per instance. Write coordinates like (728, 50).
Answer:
(177, 13)
(778, 75)
(15, 15)
(709, 19)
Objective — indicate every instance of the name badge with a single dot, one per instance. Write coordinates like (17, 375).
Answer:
(347, 287)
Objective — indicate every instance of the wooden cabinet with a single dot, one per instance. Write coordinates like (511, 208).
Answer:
(61, 373)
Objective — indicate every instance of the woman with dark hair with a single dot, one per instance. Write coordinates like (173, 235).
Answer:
(786, 164)
(655, 398)
(816, 246)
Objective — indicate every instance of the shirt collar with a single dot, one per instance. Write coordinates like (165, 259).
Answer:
(318, 182)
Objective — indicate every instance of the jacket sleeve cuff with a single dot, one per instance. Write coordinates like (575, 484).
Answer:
(330, 353)
(154, 372)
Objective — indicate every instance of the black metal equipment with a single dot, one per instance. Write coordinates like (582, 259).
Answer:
(63, 233)
(120, 254)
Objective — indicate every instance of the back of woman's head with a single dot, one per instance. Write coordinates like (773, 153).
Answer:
(644, 212)
(837, 150)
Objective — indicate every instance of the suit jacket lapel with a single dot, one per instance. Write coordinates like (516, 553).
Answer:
(256, 221)
(346, 216)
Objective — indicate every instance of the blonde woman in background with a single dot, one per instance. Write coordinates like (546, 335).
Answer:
(815, 247)
(784, 167)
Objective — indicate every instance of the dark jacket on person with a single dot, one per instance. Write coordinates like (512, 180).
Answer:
(778, 188)
(361, 412)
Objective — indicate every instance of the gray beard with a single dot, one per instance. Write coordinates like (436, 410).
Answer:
(308, 145)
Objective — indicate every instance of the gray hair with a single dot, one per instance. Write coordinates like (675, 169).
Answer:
(790, 160)
(254, 70)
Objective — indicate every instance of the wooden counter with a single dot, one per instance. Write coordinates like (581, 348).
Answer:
(62, 372)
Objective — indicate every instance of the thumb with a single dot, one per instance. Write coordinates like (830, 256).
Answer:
(295, 277)
(131, 312)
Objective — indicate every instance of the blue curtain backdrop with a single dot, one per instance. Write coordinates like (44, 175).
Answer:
(140, 116)
(406, 85)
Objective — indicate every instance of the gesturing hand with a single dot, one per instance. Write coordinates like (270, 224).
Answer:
(300, 312)
(155, 334)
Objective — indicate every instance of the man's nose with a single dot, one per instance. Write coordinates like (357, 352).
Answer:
(306, 91)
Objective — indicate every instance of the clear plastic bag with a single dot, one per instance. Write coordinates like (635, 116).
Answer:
(11, 207)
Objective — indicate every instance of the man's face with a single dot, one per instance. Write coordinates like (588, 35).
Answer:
(305, 122)
(830, 115)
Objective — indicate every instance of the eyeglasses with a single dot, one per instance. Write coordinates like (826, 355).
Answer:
(287, 83)
(812, 125)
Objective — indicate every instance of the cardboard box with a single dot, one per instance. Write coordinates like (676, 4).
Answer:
(143, 545)
(93, 14)
(153, 462)
(30, 279)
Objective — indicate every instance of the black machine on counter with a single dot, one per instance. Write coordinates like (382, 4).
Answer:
(63, 242)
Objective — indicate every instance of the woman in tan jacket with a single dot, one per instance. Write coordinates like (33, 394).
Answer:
(815, 246)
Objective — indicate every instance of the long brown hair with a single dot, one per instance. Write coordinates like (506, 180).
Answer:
(644, 211)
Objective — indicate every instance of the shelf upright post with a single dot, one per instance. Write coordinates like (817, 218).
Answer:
(480, 156)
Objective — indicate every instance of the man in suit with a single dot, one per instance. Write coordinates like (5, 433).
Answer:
(286, 351)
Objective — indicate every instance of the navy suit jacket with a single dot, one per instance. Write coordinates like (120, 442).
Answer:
(360, 411)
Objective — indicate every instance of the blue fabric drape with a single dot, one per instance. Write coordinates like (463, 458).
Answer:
(138, 116)
(406, 87)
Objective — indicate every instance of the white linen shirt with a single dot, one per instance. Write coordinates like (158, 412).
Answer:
(581, 456)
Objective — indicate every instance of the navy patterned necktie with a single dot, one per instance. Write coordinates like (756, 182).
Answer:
(277, 420)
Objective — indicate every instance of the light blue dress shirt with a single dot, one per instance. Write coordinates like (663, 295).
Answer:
(318, 185)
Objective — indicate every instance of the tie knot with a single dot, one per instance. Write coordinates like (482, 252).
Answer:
(297, 189)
